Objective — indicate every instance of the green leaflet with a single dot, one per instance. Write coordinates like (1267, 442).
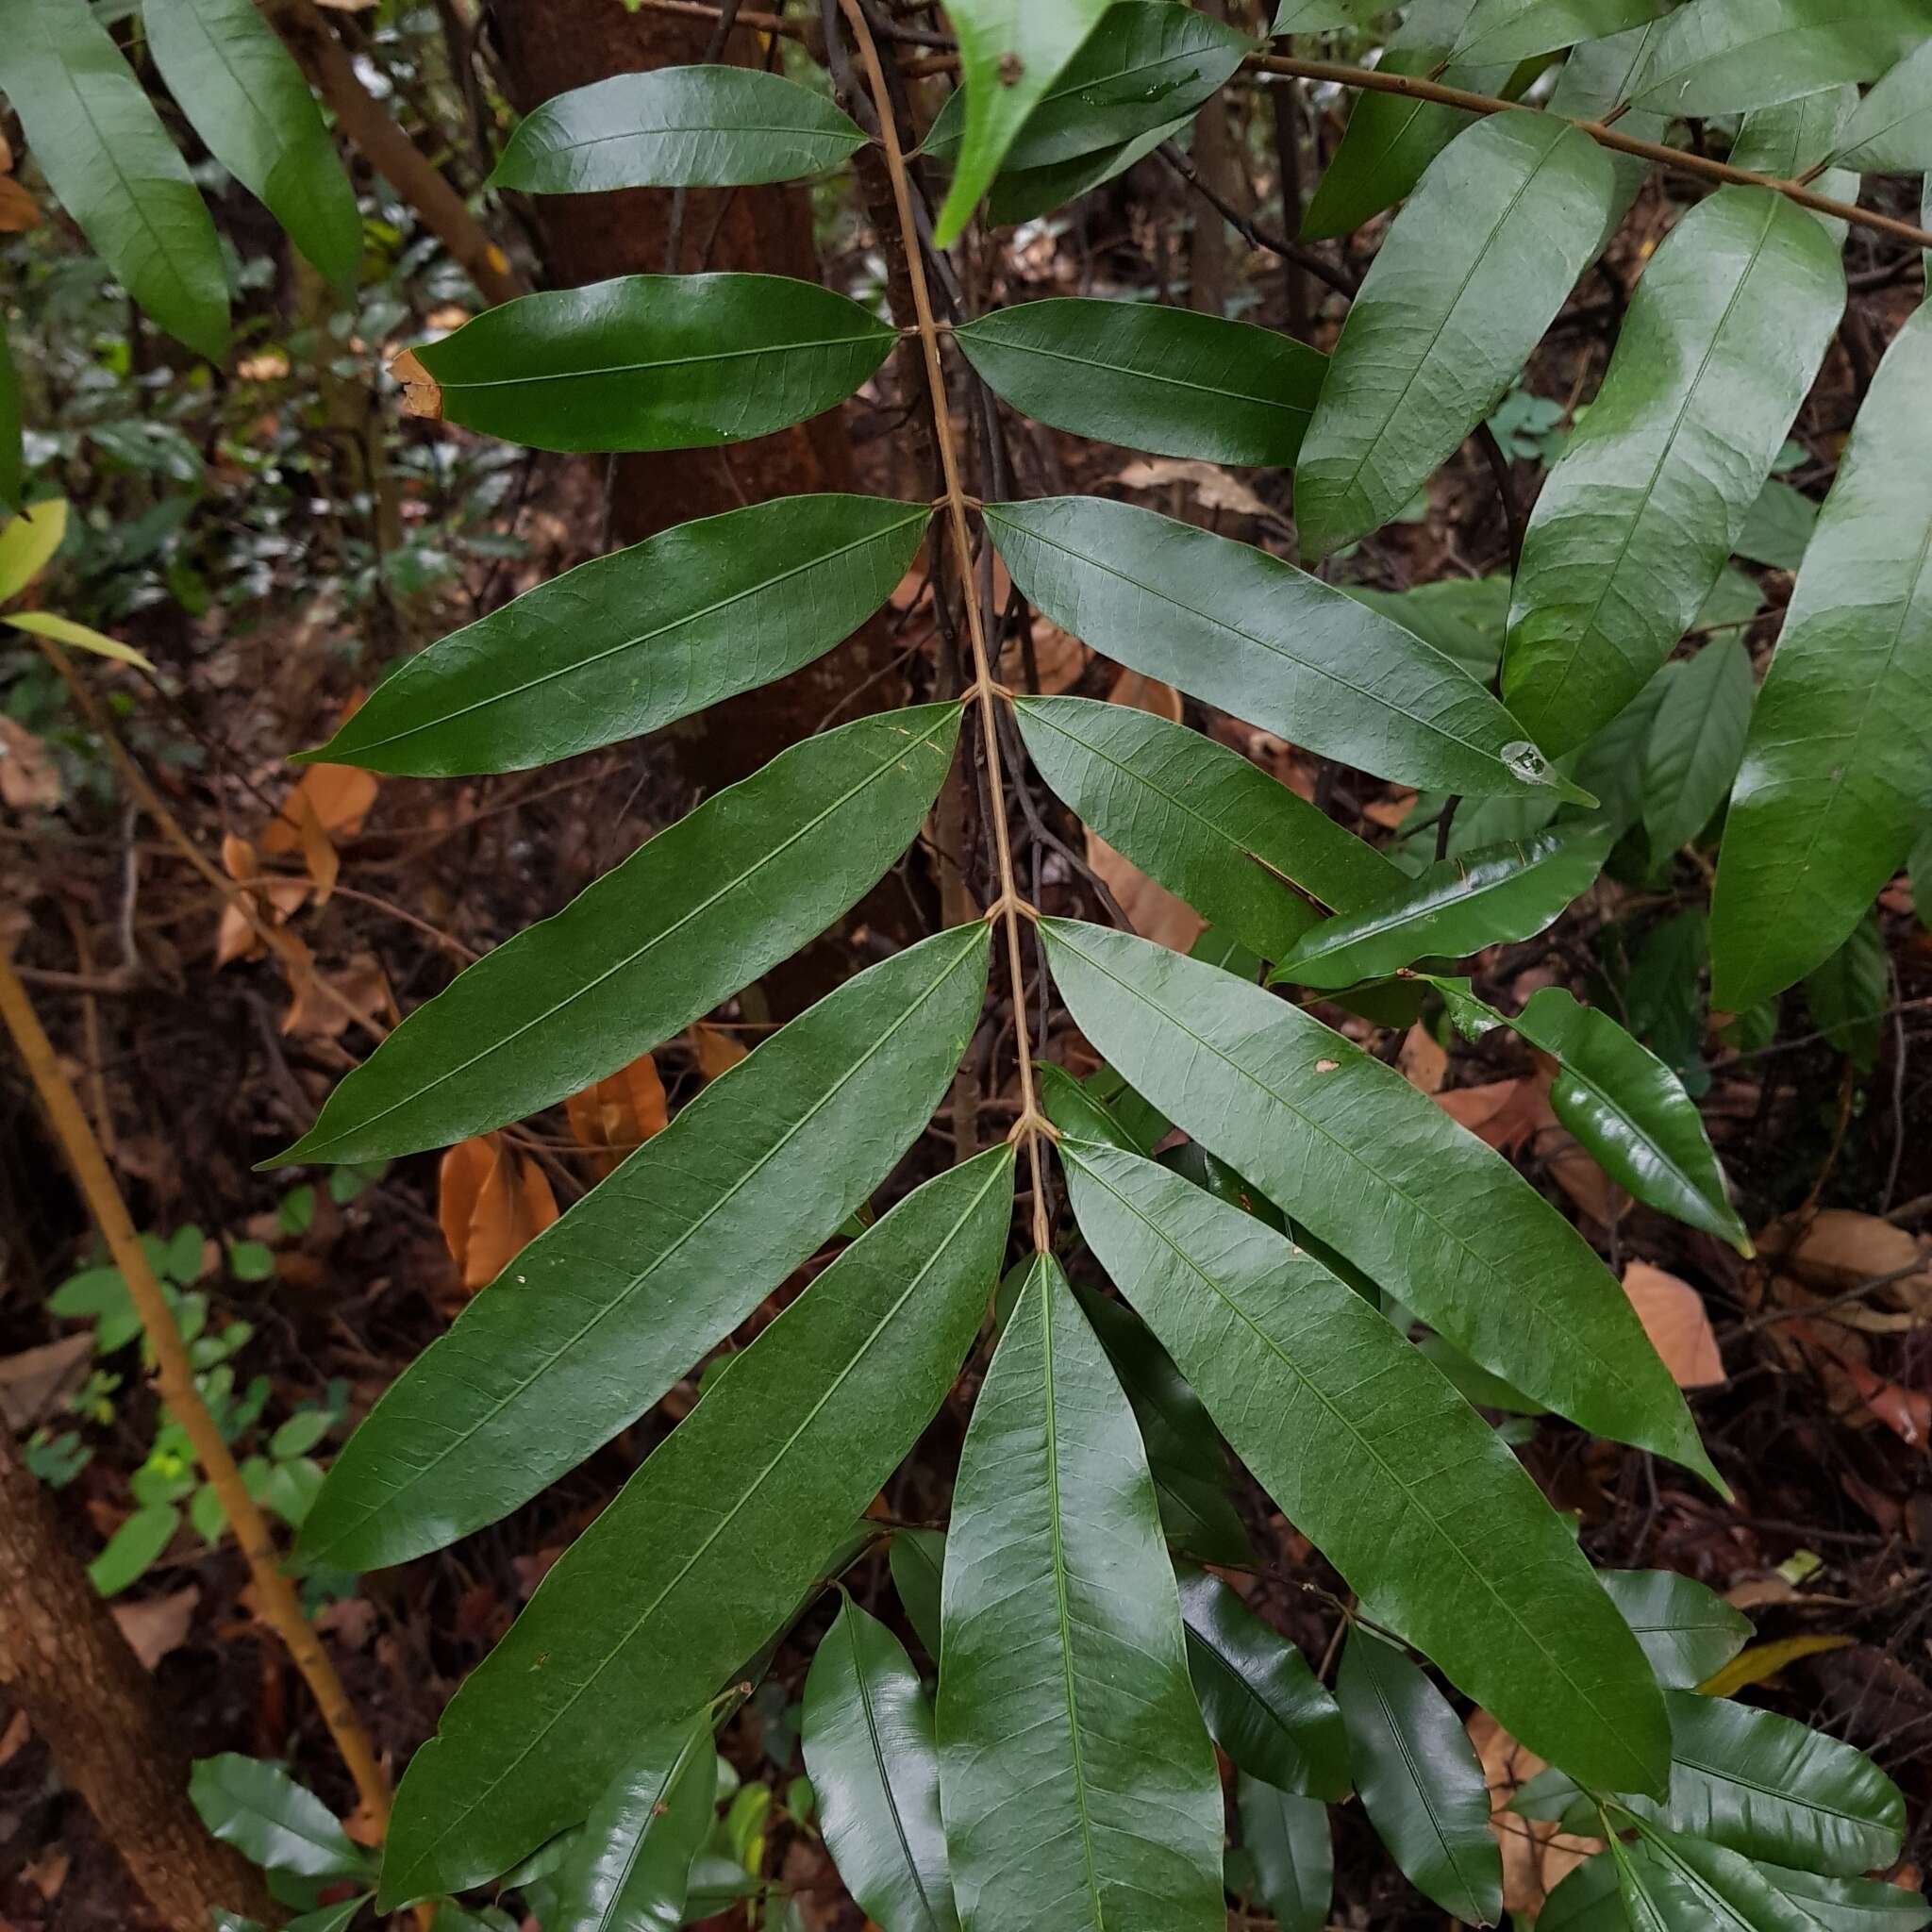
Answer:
(1850, 1905)
(1793, 140)
(274, 1821)
(1463, 617)
(711, 1545)
(241, 89)
(1723, 57)
(657, 1264)
(677, 128)
(1837, 776)
(1696, 745)
(1209, 824)
(1586, 1901)
(654, 363)
(1144, 67)
(12, 461)
(1770, 1788)
(1683, 1885)
(1372, 1456)
(1377, 1171)
(1287, 1838)
(1594, 79)
(1168, 381)
(1023, 195)
(1239, 628)
(1075, 1777)
(1264, 1706)
(1891, 132)
(918, 1558)
(1314, 16)
(630, 1870)
(1778, 530)
(1421, 1781)
(636, 639)
(328, 1919)
(1688, 1632)
(870, 1751)
(1632, 1114)
(689, 918)
(1456, 908)
(1727, 327)
(1849, 993)
(1469, 275)
(1010, 53)
(101, 145)
(1520, 29)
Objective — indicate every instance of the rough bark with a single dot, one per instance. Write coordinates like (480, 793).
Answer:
(64, 1663)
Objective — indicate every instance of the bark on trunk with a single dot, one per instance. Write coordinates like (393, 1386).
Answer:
(64, 1662)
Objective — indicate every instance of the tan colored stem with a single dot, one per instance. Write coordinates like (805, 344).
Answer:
(276, 1602)
(388, 150)
(1032, 1123)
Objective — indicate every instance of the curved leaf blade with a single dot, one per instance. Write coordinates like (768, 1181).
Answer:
(1688, 1632)
(637, 640)
(1696, 745)
(630, 1870)
(1681, 1884)
(655, 362)
(241, 89)
(1239, 628)
(1421, 1781)
(1293, 1852)
(870, 1751)
(1632, 1113)
(1890, 130)
(1454, 908)
(1586, 1901)
(1377, 1171)
(918, 1560)
(711, 1545)
(283, 1827)
(610, 1305)
(1210, 825)
(1521, 29)
(689, 918)
(105, 153)
(1834, 783)
(1471, 274)
(1850, 1905)
(1372, 1456)
(1075, 1775)
(699, 126)
(80, 636)
(1730, 324)
(1169, 380)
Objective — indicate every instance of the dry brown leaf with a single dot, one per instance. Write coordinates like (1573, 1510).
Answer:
(1673, 1317)
(620, 1113)
(13, 1738)
(1060, 659)
(1146, 694)
(19, 210)
(1423, 1059)
(338, 796)
(460, 1178)
(1389, 812)
(1154, 912)
(1577, 1173)
(1762, 1592)
(6, 156)
(717, 1051)
(1213, 488)
(37, 1381)
(1501, 1113)
(1840, 1250)
(489, 1206)
(48, 1873)
(1906, 1413)
(158, 1625)
(29, 778)
(422, 393)
(324, 1005)
(239, 859)
(1537, 1856)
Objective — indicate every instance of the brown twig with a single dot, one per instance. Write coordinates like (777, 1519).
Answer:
(276, 1602)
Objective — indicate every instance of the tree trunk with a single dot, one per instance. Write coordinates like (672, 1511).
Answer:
(64, 1662)
(549, 46)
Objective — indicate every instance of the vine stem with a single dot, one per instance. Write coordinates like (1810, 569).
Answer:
(1032, 1125)
(276, 1602)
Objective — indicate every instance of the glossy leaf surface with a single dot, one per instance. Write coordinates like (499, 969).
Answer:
(1372, 1456)
(1519, 29)
(1209, 824)
(274, 1821)
(630, 1870)
(1627, 1107)
(1728, 326)
(1688, 1632)
(870, 1751)
(1850, 1905)
(692, 916)
(1471, 274)
(1696, 745)
(249, 101)
(605, 1309)
(1374, 1169)
(1838, 767)
(1678, 1884)
(1264, 1706)
(1454, 908)
(654, 363)
(918, 1558)
(711, 1545)
(98, 140)
(1010, 53)
(1237, 628)
(1421, 1781)
(677, 128)
(637, 640)
(1169, 380)
(1293, 1852)
(1078, 1783)
(1891, 132)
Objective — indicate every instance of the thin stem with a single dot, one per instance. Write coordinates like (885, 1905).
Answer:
(280, 1606)
(1032, 1124)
